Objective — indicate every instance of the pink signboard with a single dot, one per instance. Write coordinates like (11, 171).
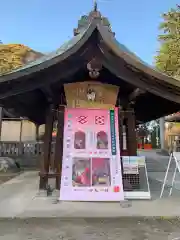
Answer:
(91, 169)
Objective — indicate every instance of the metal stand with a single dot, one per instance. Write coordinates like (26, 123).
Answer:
(176, 157)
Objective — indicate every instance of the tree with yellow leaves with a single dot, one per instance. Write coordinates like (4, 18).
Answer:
(168, 58)
(13, 56)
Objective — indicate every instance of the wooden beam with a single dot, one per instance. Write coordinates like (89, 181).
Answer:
(59, 72)
(7, 113)
(35, 112)
(136, 93)
(117, 66)
(46, 90)
(30, 85)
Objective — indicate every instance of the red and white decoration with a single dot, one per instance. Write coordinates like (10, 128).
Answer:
(90, 172)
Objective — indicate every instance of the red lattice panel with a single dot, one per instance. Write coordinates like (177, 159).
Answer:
(82, 119)
(99, 120)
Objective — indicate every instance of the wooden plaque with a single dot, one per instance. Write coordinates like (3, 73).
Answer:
(77, 95)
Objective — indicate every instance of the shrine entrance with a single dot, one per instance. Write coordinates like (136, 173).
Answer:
(92, 72)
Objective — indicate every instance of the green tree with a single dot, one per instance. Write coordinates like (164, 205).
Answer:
(168, 58)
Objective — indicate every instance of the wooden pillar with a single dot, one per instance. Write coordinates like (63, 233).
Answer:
(47, 147)
(20, 145)
(59, 146)
(21, 128)
(37, 132)
(131, 133)
(1, 116)
(162, 132)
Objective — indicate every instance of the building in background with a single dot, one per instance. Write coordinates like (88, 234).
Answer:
(172, 129)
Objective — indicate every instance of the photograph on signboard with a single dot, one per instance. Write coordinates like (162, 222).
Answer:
(102, 140)
(79, 140)
(81, 172)
(101, 172)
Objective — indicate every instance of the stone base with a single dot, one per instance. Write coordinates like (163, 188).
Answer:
(55, 193)
(42, 193)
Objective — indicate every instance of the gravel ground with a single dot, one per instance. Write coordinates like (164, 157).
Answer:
(90, 229)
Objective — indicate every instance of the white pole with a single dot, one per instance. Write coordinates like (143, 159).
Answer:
(166, 175)
(172, 183)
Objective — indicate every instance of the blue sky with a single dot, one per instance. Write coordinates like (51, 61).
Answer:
(44, 25)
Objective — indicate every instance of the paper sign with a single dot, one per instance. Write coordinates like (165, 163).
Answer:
(91, 156)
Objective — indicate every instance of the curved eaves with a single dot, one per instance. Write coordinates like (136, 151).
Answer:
(151, 89)
(46, 61)
(109, 39)
(111, 62)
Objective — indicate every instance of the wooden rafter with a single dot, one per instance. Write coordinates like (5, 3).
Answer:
(136, 93)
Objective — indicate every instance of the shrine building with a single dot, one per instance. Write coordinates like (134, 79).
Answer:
(92, 70)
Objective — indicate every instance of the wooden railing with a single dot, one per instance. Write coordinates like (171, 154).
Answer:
(14, 149)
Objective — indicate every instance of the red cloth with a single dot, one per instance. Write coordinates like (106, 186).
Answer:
(84, 178)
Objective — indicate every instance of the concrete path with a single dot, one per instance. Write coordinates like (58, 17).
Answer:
(159, 176)
(17, 193)
(19, 198)
(48, 208)
(90, 229)
(156, 167)
(154, 161)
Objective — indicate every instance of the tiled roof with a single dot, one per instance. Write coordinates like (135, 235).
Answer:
(67, 45)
